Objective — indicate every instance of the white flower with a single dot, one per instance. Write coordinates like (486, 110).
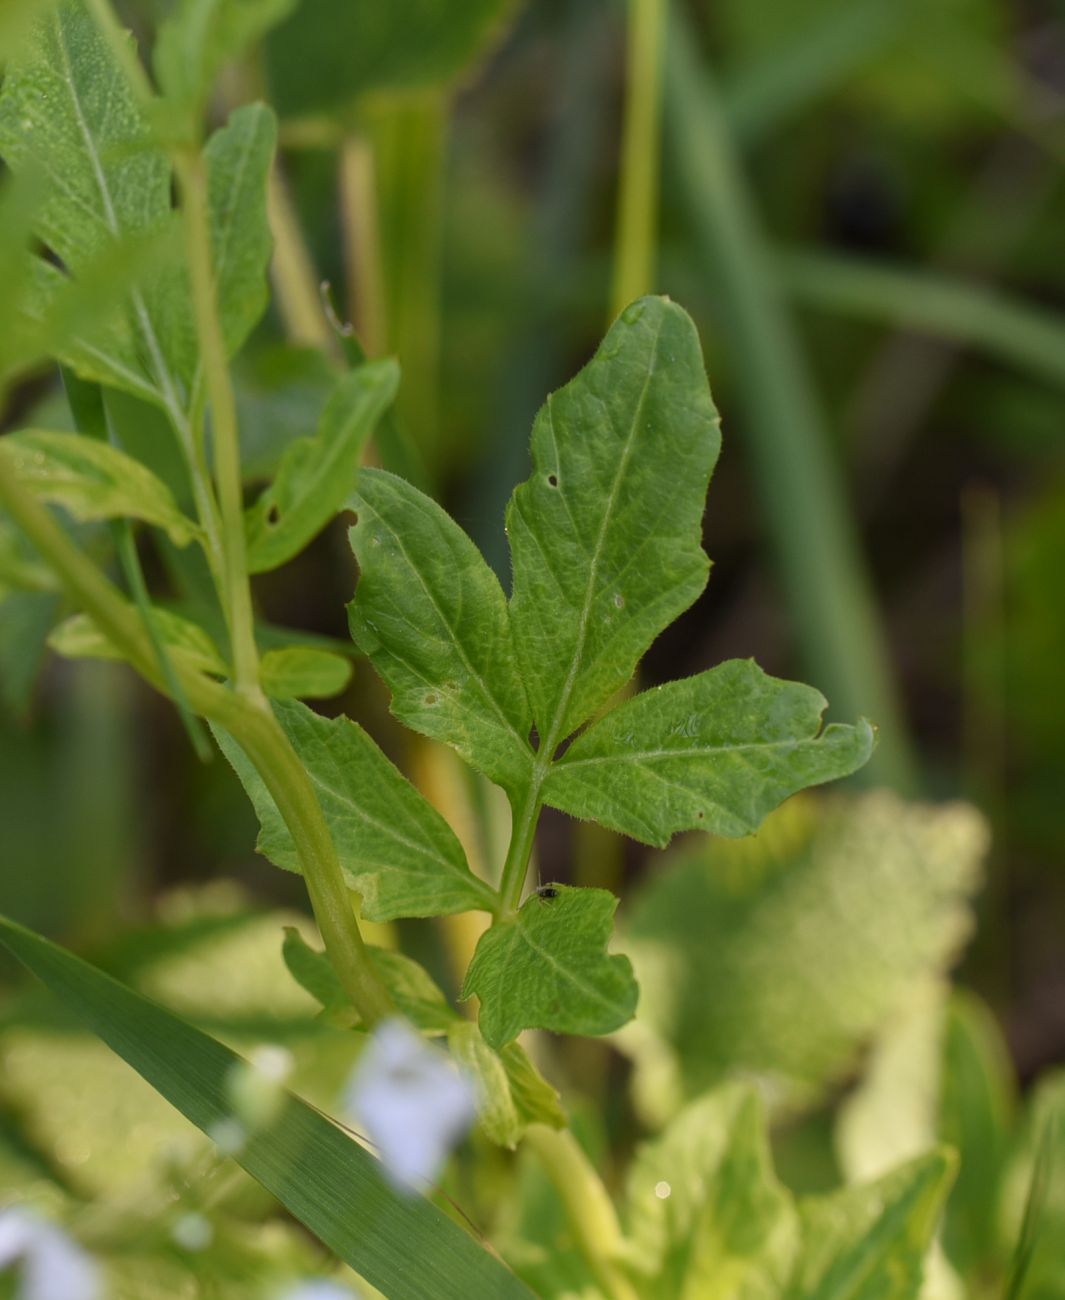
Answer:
(317, 1291)
(412, 1101)
(53, 1266)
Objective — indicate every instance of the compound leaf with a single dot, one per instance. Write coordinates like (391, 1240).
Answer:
(716, 752)
(303, 673)
(547, 968)
(431, 616)
(605, 536)
(394, 847)
(316, 475)
(870, 1242)
(93, 480)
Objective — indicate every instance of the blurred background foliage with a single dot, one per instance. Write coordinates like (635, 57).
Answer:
(862, 204)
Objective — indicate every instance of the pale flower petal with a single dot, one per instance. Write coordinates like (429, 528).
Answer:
(412, 1101)
(317, 1291)
(54, 1266)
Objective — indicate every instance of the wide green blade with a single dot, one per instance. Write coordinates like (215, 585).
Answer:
(401, 1244)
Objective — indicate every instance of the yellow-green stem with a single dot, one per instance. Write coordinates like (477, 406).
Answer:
(293, 274)
(193, 178)
(634, 258)
(588, 1207)
(248, 720)
(362, 242)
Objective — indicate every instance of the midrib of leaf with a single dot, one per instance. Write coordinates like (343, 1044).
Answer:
(649, 755)
(553, 736)
(162, 373)
(566, 973)
(486, 689)
(420, 850)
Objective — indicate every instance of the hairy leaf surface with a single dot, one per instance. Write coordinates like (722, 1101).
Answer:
(394, 847)
(716, 752)
(303, 673)
(606, 535)
(401, 1244)
(93, 480)
(67, 112)
(548, 968)
(432, 617)
(316, 475)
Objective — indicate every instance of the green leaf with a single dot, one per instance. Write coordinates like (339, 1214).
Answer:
(605, 536)
(1034, 1196)
(869, 1242)
(93, 480)
(548, 968)
(432, 618)
(67, 112)
(238, 158)
(976, 1112)
(199, 37)
(316, 475)
(302, 672)
(394, 847)
(186, 642)
(819, 929)
(715, 752)
(400, 1244)
(708, 1218)
(329, 53)
(512, 1091)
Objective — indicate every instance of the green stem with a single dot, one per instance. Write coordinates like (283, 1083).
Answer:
(249, 721)
(587, 1205)
(634, 258)
(804, 501)
(526, 813)
(193, 177)
(362, 243)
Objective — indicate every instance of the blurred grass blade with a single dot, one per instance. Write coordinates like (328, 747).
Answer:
(1034, 1207)
(804, 505)
(1015, 332)
(401, 1244)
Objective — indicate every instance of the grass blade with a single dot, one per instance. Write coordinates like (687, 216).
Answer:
(401, 1244)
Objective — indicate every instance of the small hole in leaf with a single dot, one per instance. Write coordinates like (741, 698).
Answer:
(552, 480)
(273, 515)
(431, 698)
(700, 815)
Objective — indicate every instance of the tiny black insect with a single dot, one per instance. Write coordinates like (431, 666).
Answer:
(547, 891)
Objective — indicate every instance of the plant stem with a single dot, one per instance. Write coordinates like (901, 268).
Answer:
(803, 499)
(362, 243)
(523, 832)
(193, 177)
(249, 721)
(588, 1207)
(634, 257)
(293, 274)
